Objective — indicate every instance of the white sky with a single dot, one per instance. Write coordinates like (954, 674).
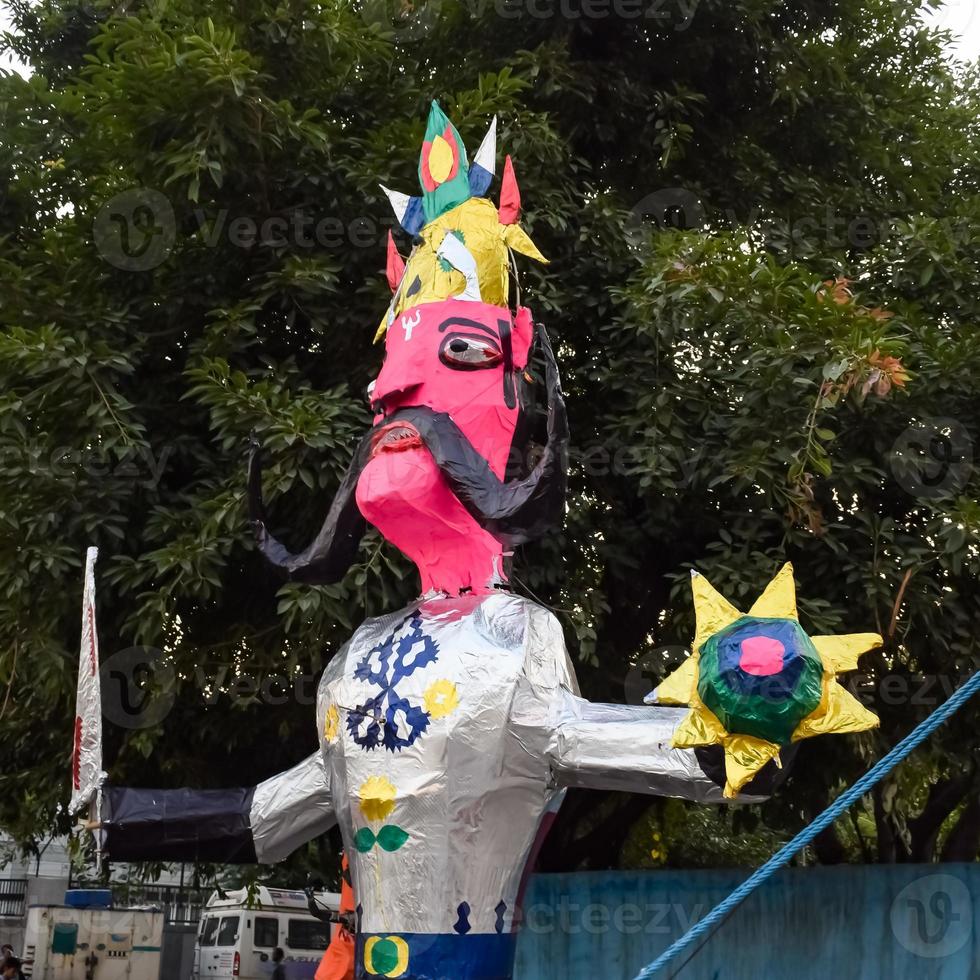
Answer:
(960, 17)
(6, 61)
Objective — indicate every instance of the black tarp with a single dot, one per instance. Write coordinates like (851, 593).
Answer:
(178, 825)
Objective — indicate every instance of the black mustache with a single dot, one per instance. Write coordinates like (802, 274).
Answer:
(513, 511)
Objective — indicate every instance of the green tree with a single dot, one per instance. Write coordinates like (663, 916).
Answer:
(761, 219)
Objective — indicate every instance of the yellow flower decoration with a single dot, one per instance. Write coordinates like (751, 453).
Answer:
(378, 796)
(331, 727)
(441, 699)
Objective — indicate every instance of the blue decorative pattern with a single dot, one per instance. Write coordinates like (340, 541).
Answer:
(500, 910)
(387, 718)
(439, 956)
(462, 925)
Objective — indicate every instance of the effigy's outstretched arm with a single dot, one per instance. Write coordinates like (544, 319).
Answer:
(260, 824)
(628, 747)
(754, 686)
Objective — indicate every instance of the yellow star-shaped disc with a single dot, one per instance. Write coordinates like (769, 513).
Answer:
(746, 753)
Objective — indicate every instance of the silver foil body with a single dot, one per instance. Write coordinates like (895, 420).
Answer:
(456, 723)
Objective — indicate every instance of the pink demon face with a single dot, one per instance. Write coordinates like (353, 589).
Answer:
(462, 359)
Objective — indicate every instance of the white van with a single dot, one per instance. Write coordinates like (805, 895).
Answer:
(236, 937)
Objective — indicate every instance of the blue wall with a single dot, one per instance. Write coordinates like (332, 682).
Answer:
(904, 922)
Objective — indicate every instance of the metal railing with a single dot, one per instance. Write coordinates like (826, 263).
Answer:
(13, 897)
(180, 904)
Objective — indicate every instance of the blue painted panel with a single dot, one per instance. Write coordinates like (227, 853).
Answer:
(902, 922)
(477, 956)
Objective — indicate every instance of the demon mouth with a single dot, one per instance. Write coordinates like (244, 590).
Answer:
(396, 438)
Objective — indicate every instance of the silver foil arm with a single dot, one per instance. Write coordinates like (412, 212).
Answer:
(241, 825)
(627, 747)
(290, 809)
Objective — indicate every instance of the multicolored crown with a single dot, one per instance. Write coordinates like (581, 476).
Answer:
(453, 204)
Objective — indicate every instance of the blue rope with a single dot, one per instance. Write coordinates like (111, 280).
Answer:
(805, 836)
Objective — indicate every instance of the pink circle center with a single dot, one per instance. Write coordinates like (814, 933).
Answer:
(761, 655)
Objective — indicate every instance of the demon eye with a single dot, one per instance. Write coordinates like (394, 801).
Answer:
(468, 353)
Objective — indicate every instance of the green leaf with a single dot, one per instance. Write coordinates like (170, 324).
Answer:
(391, 837)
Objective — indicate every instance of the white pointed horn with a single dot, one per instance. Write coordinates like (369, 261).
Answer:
(486, 156)
(399, 202)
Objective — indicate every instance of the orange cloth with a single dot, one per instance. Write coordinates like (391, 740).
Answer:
(338, 960)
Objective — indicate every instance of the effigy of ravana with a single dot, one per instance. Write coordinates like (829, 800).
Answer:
(450, 730)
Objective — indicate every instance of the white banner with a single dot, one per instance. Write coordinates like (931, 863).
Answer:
(87, 775)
